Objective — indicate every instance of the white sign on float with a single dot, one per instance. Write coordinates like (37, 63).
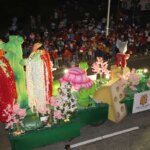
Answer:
(141, 101)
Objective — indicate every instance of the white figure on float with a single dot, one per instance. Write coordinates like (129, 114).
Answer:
(39, 78)
(121, 57)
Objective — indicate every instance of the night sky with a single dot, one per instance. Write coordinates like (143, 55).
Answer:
(25, 8)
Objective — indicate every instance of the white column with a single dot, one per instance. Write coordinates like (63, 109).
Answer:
(108, 16)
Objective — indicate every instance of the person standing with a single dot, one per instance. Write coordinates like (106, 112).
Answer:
(55, 58)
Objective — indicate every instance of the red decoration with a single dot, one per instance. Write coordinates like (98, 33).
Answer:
(121, 59)
(46, 58)
(8, 92)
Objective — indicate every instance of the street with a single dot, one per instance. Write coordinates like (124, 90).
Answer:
(134, 140)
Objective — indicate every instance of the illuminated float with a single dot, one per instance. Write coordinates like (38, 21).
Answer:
(57, 109)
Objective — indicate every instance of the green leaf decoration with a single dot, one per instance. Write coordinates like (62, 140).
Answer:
(86, 102)
(83, 65)
(83, 98)
(92, 90)
(56, 85)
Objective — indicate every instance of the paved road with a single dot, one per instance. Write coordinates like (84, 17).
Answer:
(140, 62)
(135, 140)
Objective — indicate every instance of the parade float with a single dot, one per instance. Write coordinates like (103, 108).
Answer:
(49, 110)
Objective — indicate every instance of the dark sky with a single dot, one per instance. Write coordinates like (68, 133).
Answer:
(24, 7)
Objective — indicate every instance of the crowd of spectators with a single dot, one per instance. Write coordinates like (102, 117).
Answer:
(83, 39)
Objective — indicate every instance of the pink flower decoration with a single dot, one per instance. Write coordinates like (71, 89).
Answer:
(133, 88)
(57, 103)
(22, 112)
(130, 80)
(58, 114)
(134, 78)
(77, 78)
(15, 115)
(16, 108)
(43, 111)
(19, 111)
(100, 67)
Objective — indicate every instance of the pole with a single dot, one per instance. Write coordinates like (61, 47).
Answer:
(108, 14)
(133, 13)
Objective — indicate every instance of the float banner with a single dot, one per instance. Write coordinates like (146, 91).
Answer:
(141, 101)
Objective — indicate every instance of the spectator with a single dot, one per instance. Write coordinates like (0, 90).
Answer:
(55, 58)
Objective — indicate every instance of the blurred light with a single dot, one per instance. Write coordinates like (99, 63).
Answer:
(53, 69)
(145, 70)
(66, 71)
(107, 76)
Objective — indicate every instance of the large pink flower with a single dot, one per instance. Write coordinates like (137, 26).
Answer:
(77, 78)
